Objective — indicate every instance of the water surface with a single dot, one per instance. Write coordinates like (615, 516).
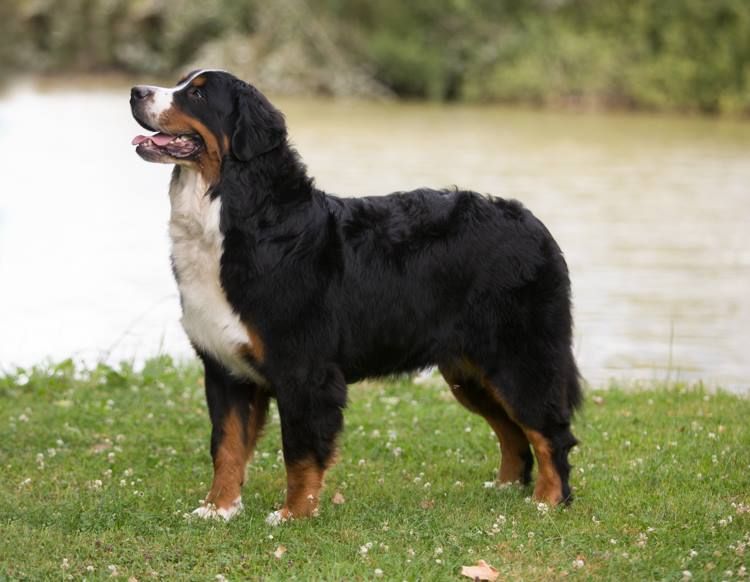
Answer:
(652, 214)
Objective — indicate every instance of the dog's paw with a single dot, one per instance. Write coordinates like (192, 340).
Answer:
(210, 511)
(276, 518)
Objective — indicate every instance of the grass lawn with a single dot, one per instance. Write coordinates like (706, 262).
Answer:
(99, 468)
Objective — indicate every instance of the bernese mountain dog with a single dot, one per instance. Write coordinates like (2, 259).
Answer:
(291, 293)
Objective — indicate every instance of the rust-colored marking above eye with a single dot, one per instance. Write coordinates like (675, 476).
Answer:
(199, 81)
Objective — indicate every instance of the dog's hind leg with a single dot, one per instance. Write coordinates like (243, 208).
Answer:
(238, 411)
(468, 386)
(311, 413)
(538, 400)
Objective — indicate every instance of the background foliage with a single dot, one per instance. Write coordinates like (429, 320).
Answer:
(686, 55)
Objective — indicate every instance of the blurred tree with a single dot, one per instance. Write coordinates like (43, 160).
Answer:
(690, 55)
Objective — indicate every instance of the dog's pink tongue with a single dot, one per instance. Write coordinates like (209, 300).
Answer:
(160, 139)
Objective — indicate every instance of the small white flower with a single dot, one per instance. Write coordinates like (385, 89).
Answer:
(89, 568)
(65, 565)
(378, 573)
(578, 563)
(686, 575)
(692, 553)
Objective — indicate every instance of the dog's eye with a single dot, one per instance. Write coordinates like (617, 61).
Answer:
(195, 93)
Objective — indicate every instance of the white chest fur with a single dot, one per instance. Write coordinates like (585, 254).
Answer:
(197, 244)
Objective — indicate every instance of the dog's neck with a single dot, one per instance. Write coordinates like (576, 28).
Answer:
(275, 177)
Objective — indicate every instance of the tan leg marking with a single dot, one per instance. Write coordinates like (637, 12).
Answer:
(304, 484)
(229, 463)
(513, 441)
(549, 485)
(235, 450)
(513, 445)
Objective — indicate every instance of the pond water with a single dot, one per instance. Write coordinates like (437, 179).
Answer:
(651, 212)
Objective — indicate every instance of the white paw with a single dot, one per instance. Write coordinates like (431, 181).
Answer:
(210, 511)
(275, 518)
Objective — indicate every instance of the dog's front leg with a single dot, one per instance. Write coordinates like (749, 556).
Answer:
(311, 413)
(238, 410)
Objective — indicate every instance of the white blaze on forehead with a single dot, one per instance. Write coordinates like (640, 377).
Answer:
(163, 97)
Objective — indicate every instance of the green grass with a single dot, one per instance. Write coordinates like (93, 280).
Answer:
(98, 469)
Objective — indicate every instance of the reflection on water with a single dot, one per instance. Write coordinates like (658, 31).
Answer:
(651, 213)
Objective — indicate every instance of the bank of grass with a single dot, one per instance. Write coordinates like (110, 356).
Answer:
(100, 467)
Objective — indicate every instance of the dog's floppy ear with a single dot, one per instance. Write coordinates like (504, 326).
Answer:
(259, 126)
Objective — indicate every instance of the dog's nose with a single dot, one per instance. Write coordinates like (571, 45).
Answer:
(139, 93)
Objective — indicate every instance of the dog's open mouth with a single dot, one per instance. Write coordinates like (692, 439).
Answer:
(175, 146)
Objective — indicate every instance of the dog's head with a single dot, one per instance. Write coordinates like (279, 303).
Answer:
(206, 116)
